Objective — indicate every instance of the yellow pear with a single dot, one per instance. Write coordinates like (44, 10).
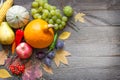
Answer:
(7, 35)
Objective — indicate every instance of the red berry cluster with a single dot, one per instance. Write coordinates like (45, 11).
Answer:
(17, 69)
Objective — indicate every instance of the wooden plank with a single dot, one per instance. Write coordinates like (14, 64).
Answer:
(88, 68)
(85, 74)
(94, 41)
(88, 4)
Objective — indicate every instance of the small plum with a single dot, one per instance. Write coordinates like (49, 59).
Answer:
(51, 55)
(59, 44)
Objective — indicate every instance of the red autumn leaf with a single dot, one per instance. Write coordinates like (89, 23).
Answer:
(32, 72)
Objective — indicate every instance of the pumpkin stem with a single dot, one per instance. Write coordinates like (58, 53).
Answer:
(51, 26)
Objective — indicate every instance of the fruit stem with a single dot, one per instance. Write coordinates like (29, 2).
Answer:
(17, 17)
(51, 26)
(22, 28)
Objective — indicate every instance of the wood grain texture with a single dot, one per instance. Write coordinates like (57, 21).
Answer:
(95, 48)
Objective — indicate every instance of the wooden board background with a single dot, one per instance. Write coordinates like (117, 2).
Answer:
(95, 48)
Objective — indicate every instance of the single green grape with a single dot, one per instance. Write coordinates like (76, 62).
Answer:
(64, 18)
(63, 23)
(68, 11)
(33, 11)
(50, 21)
(43, 10)
(41, 3)
(56, 27)
(58, 21)
(54, 18)
(60, 26)
(43, 16)
(40, 9)
(46, 12)
(35, 16)
(49, 16)
(59, 16)
(52, 12)
(46, 5)
(35, 4)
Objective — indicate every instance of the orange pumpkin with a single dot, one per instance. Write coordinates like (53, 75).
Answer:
(38, 34)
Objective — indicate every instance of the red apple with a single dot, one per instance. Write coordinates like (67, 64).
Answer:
(24, 50)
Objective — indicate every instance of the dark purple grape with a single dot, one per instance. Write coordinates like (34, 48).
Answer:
(40, 55)
(59, 44)
(48, 61)
(51, 55)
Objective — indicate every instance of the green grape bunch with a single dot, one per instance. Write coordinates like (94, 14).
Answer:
(42, 10)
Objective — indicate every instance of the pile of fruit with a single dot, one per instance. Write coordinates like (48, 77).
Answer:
(25, 36)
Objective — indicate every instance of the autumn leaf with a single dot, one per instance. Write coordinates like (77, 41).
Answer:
(64, 35)
(48, 69)
(3, 56)
(80, 17)
(61, 57)
(32, 72)
(4, 73)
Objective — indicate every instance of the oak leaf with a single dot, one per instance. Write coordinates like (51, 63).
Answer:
(61, 57)
(79, 17)
(4, 73)
(64, 35)
(48, 69)
(3, 56)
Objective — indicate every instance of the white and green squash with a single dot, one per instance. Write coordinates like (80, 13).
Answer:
(17, 16)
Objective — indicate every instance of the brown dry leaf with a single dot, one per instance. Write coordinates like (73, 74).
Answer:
(3, 56)
(64, 35)
(61, 57)
(4, 73)
(47, 69)
(79, 17)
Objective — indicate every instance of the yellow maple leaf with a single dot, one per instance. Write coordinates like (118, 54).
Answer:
(79, 17)
(61, 57)
(4, 73)
(48, 69)
(64, 35)
(3, 56)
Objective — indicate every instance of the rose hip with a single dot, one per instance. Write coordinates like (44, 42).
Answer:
(17, 69)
